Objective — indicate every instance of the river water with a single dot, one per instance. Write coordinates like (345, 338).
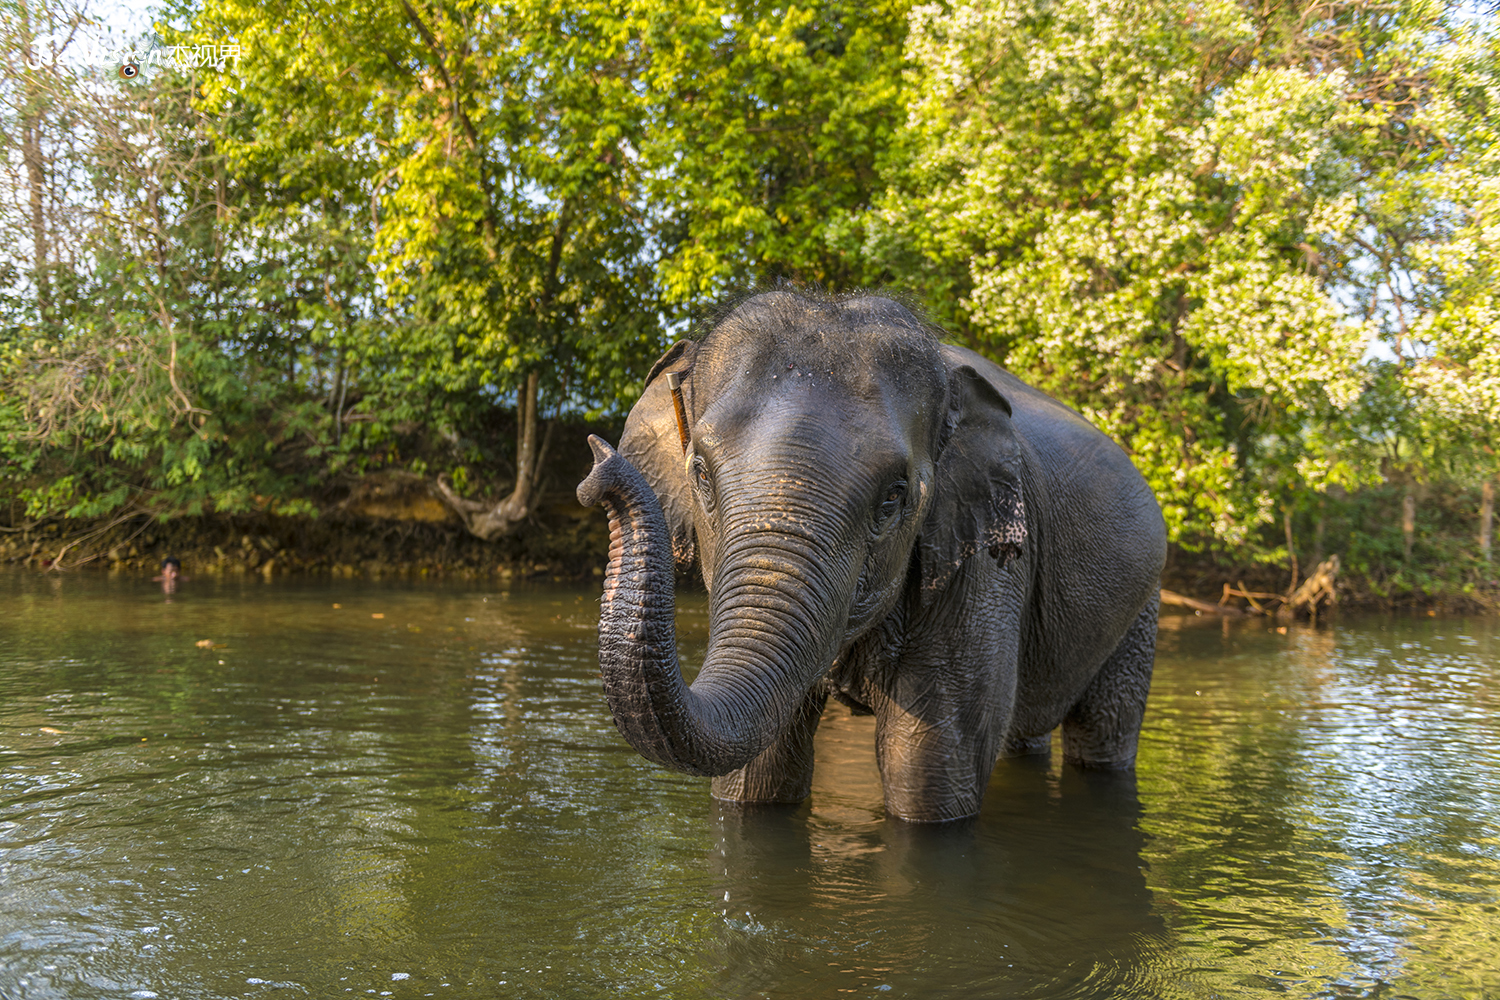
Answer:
(415, 790)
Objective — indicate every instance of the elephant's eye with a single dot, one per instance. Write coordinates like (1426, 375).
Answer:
(703, 484)
(889, 507)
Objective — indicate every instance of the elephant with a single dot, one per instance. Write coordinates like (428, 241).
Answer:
(884, 518)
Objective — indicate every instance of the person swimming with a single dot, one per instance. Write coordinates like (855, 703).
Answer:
(171, 574)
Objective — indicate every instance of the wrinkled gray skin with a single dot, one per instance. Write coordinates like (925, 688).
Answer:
(896, 522)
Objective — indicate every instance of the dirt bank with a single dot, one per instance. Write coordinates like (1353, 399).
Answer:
(401, 530)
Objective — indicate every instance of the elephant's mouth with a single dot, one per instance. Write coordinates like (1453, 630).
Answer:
(862, 589)
(872, 601)
(847, 686)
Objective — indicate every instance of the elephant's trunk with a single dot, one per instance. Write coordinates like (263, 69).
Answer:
(756, 669)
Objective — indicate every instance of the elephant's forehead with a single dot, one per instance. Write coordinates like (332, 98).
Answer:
(822, 424)
(868, 344)
(783, 380)
(862, 374)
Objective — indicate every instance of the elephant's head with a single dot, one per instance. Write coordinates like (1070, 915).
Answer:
(835, 461)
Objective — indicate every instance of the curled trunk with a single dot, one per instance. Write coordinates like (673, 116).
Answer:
(753, 677)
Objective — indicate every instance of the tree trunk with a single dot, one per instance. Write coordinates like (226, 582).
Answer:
(1486, 517)
(1291, 548)
(36, 173)
(1318, 531)
(336, 393)
(1408, 523)
(1183, 601)
(505, 517)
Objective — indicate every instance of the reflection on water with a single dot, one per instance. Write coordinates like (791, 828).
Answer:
(434, 802)
(1042, 895)
(1340, 805)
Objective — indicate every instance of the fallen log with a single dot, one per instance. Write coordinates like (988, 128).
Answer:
(1316, 589)
(1182, 601)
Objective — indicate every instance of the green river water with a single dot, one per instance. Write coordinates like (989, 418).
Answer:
(331, 803)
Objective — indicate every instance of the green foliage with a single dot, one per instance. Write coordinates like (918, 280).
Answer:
(1365, 529)
(144, 388)
(1256, 244)
(767, 121)
(1192, 223)
(354, 244)
(491, 148)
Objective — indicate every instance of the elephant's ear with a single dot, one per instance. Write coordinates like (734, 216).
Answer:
(977, 503)
(651, 444)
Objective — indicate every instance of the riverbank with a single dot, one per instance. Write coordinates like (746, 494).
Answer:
(392, 523)
(1398, 548)
(395, 527)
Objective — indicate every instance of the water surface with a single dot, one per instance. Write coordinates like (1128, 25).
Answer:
(434, 803)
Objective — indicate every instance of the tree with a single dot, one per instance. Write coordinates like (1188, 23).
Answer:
(766, 122)
(175, 367)
(1159, 213)
(495, 147)
(35, 130)
(545, 184)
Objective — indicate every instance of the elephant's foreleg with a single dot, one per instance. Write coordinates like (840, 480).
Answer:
(1028, 746)
(1103, 726)
(933, 769)
(942, 714)
(783, 773)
